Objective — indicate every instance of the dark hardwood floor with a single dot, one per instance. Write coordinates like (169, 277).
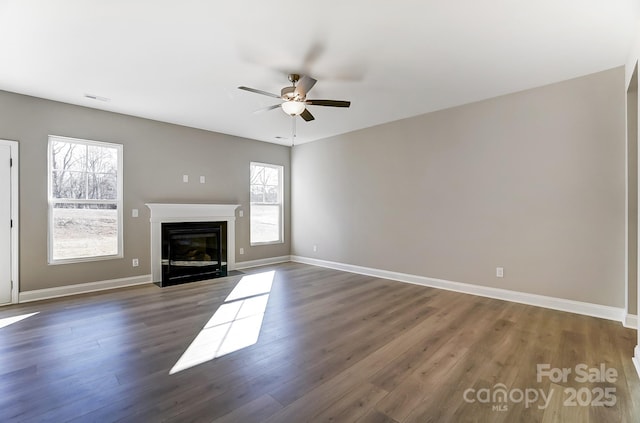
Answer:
(331, 346)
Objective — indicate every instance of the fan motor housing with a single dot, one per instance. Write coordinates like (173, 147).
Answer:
(289, 93)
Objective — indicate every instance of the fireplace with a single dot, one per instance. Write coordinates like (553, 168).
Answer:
(193, 251)
(211, 227)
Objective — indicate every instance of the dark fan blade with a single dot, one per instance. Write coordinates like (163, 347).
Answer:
(306, 115)
(266, 109)
(330, 103)
(304, 85)
(253, 90)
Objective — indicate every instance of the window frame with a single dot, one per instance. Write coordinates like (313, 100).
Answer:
(52, 201)
(280, 204)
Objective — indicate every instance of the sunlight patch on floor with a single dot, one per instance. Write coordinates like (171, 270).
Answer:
(234, 326)
(15, 319)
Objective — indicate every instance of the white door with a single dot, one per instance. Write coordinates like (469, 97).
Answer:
(5, 224)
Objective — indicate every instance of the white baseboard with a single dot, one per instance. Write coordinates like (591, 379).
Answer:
(62, 291)
(631, 321)
(81, 288)
(589, 309)
(261, 262)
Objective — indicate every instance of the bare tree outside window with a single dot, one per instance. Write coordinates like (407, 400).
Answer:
(84, 199)
(266, 203)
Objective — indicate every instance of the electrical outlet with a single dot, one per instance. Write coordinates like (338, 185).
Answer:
(185, 178)
(499, 272)
(202, 179)
(241, 250)
(241, 213)
(135, 262)
(134, 213)
(315, 248)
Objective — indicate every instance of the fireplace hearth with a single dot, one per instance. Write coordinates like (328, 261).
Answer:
(193, 251)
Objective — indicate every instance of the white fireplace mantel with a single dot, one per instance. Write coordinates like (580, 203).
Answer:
(164, 213)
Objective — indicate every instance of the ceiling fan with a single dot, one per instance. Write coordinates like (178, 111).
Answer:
(295, 97)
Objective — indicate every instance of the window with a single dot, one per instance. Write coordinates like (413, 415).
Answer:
(266, 204)
(85, 200)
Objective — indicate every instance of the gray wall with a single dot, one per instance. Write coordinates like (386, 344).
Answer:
(156, 155)
(533, 182)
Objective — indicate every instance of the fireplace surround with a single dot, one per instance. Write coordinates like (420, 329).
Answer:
(197, 223)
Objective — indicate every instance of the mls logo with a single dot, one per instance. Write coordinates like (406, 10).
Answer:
(499, 407)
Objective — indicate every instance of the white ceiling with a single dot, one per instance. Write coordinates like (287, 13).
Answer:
(182, 61)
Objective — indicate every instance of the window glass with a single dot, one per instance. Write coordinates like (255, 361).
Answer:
(266, 203)
(85, 200)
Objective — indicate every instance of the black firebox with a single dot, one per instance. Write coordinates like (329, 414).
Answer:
(193, 251)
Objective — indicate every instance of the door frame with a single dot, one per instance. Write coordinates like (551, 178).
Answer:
(15, 217)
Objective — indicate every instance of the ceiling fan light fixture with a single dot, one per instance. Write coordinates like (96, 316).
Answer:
(294, 98)
(293, 108)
